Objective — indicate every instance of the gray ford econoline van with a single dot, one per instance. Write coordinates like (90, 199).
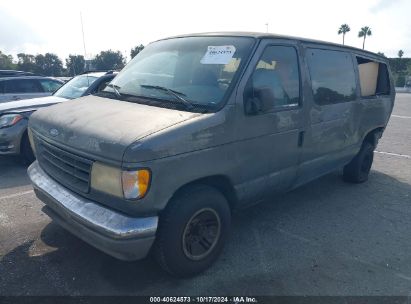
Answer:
(198, 125)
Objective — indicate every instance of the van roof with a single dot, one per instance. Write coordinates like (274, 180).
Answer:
(258, 35)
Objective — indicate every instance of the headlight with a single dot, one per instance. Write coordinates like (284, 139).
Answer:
(106, 179)
(9, 120)
(124, 184)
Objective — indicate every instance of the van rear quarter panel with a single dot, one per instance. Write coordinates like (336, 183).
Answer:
(374, 113)
(371, 113)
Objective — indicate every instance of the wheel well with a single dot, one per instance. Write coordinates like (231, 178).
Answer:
(23, 137)
(220, 182)
(373, 136)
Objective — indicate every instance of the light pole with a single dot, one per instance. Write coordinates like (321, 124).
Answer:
(266, 27)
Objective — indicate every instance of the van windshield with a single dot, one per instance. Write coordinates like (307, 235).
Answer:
(189, 72)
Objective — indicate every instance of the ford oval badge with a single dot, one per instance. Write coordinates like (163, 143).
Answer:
(54, 132)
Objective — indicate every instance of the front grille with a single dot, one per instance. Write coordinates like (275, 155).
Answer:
(70, 170)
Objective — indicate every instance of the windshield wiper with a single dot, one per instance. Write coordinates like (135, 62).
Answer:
(171, 92)
(115, 88)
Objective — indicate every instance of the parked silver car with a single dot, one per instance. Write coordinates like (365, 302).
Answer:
(14, 115)
(25, 87)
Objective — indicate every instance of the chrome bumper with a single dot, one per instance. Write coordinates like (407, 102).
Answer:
(124, 237)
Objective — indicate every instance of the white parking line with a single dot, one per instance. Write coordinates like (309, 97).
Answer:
(394, 154)
(399, 116)
(16, 194)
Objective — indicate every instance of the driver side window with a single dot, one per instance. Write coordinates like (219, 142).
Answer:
(276, 77)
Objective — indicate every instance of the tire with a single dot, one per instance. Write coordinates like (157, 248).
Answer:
(26, 151)
(182, 237)
(358, 169)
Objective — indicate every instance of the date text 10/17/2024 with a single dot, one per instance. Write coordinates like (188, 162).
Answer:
(203, 300)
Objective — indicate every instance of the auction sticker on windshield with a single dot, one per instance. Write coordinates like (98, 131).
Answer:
(218, 54)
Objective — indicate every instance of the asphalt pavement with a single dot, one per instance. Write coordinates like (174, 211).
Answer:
(325, 238)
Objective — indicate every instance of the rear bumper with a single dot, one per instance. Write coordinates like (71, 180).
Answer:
(121, 236)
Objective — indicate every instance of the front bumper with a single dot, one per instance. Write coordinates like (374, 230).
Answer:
(10, 138)
(121, 236)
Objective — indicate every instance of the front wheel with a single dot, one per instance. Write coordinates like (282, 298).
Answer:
(358, 169)
(192, 231)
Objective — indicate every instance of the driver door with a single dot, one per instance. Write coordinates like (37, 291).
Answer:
(271, 140)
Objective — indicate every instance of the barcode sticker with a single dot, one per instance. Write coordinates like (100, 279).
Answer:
(218, 54)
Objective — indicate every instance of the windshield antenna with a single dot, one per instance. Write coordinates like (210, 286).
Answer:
(84, 45)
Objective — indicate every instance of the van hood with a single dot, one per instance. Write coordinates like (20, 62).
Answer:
(102, 128)
(27, 105)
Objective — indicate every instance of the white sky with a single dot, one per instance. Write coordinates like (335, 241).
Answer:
(42, 26)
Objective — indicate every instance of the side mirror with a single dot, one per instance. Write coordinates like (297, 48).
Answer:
(261, 101)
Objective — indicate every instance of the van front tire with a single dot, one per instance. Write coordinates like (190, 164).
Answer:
(192, 231)
(358, 169)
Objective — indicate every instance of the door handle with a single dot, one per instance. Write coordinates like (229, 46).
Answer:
(301, 138)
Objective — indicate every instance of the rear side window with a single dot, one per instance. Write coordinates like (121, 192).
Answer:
(49, 85)
(374, 77)
(1, 87)
(22, 86)
(332, 76)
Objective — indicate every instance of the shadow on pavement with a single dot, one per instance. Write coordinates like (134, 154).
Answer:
(13, 172)
(271, 250)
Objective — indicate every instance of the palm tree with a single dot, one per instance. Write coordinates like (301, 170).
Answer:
(365, 31)
(344, 28)
(400, 53)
